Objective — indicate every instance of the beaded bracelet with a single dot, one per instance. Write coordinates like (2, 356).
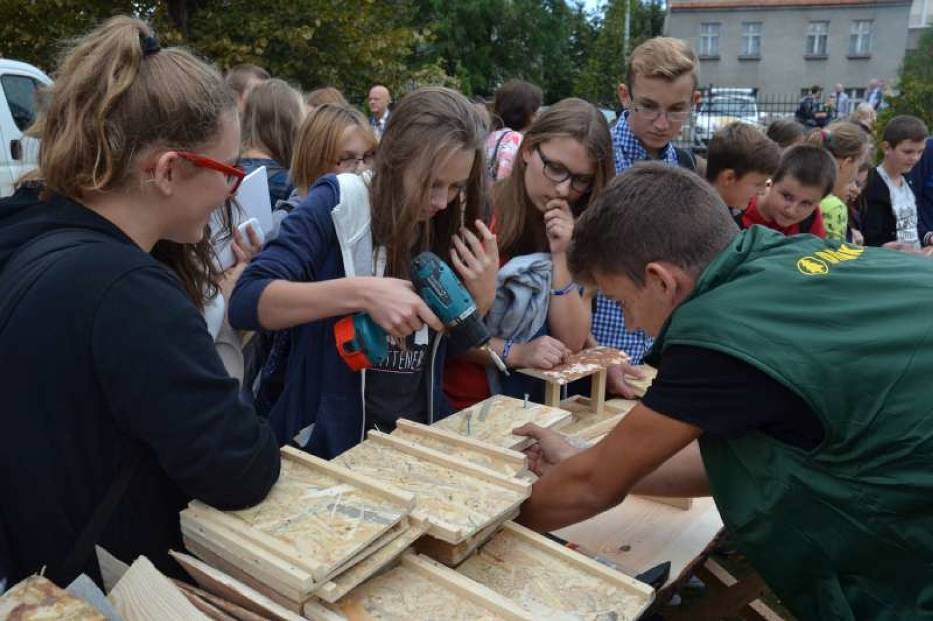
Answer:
(506, 349)
(564, 290)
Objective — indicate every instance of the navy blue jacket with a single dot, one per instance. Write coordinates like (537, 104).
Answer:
(304, 380)
(921, 180)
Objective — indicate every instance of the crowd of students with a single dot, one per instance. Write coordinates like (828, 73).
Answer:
(120, 409)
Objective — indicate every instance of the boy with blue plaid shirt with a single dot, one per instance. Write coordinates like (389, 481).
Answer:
(658, 95)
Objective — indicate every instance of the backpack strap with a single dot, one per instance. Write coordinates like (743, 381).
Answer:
(24, 269)
(494, 160)
(685, 159)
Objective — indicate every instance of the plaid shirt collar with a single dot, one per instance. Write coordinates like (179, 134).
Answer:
(627, 148)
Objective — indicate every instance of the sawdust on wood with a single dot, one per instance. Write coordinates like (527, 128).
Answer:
(401, 594)
(548, 585)
(325, 519)
(486, 460)
(493, 420)
(449, 495)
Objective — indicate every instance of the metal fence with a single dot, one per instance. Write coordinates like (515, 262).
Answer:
(719, 107)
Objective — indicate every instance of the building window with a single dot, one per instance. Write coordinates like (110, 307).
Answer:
(751, 39)
(860, 38)
(817, 34)
(709, 40)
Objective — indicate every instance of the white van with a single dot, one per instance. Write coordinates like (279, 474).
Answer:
(18, 85)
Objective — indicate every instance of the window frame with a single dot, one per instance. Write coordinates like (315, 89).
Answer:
(712, 37)
(856, 36)
(749, 35)
(814, 37)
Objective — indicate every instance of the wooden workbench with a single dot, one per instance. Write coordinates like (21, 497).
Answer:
(639, 534)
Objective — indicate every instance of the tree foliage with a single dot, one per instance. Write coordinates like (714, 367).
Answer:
(474, 45)
(915, 85)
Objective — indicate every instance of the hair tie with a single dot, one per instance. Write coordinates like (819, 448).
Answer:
(149, 44)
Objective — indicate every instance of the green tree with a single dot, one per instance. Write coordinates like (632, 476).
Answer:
(35, 31)
(915, 85)
(605, 68)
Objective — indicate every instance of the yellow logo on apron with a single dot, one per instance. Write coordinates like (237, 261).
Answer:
(818, 263)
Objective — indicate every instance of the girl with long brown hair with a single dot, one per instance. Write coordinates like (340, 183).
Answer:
(564, 161)
(348, 248)
(117, 409)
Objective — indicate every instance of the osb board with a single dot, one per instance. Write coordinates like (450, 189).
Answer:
(418, 589)
(584, 417)
(223, 585)
(455, 503)
(350, 579)
(553, 582)
(642, 385)
(493, 420)
(37, 599)
(638, 534)
(314, 516)
(452, 555)
(144, 594)
(495, 458)
(579, 365)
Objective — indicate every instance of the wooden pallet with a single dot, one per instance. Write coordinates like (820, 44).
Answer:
(585, 363)
(454, 497)
(415, 589)
(317, 519)
(551, 581)
(502, 461)
(492, 421)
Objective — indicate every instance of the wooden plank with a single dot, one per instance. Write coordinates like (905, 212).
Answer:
(452, 555)
(206, 554)
(598, 392)
(584, 417)
(552, 581)
(317, 517)
(579, 365)
(727, 596)
(394, 495)
(353, 577)
(144, 594)
(36, 598)
(673, 501)
(111, 568)
(492, 420)
(501, 460)
(209, 610)
(454, 501)
(397, 531)
(552, 394)
(638, 534)
(641, 385)
(451, 461)
(223, 585)
(271, 569)
(417, 588)
(487, 598)
(316, 611)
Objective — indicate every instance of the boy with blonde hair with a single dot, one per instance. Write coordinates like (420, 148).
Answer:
(658, 94)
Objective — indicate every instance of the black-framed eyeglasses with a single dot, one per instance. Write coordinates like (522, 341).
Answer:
(652, 112)
(558, 173)
(352, 162)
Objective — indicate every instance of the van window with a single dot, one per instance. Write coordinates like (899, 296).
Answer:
(20, 93)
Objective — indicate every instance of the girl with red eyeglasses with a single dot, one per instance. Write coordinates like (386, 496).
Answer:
(117, 409)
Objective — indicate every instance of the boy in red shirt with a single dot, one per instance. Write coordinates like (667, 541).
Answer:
(805, 175)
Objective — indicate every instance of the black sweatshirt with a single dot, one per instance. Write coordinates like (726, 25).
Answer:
(106, 357)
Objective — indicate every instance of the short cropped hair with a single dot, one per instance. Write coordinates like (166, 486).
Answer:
(904, 128)
(743, 149)
(662, 57)
(651, 212)
(810, 165)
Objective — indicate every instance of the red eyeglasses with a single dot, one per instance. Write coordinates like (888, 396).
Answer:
(232, 174)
